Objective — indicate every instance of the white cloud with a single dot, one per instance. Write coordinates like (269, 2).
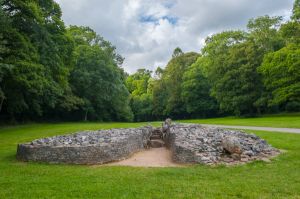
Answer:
(145, 32)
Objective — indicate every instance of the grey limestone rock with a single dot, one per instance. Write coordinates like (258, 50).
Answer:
(88, 147)
(192, 143)
(189, 143)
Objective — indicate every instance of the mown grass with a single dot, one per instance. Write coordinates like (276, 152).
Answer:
(278, 179)
(279, 120)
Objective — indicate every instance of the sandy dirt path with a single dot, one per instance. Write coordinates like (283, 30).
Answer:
(153, 157)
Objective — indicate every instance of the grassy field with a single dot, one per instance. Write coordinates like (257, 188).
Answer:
(278, 179)
(280, 120)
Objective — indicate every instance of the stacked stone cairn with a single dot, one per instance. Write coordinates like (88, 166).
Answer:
(192, 143)
(189, 143)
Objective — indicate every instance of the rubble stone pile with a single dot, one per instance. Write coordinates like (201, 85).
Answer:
(209, 145)
(189, 143)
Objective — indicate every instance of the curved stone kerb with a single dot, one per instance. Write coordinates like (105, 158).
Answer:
(78, 153)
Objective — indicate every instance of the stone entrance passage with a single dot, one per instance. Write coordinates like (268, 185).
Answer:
(156, 139)
(152, 157)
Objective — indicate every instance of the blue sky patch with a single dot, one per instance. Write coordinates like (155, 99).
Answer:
(172, 20)
(152, 19)
(148, 19)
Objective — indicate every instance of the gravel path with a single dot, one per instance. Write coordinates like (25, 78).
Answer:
(282, 130)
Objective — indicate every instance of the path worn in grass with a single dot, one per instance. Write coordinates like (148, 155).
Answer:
(278, 121)
(282, 130)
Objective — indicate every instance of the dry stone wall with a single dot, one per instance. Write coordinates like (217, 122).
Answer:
(89, 147)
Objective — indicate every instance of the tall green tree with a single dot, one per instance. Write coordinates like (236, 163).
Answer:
(281, 69)
(196, 92)
(264, 33)
(231, 61)
(282, 76)
(139, 86)
(4, 69)
(39, 54)
(223, 57)
(290, 31)
(167, 93)
(23, 86)
(159, 94)
(296, 11)
(97, 79)
(177, 52)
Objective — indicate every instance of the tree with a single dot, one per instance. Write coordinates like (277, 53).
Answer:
(177, 52)
(142, 107)
(97, 79)
(48, 71)
(196, 92)
(290, 31)
(231, 60)
(280, 69)
(296, 11)
(264, 33)
(159, 94)
(23, 85)
(167, 90)
(216, 64)
(137, 83)
(4, 68)
(282, 76)
(39, 53)
(141, 94)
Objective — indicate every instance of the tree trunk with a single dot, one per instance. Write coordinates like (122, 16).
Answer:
(1, 103)
(86, 114)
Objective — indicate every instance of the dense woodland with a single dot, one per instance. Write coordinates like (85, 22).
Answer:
(52, 72)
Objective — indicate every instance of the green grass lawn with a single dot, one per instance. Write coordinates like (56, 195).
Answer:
(278, 179)
(280, 120)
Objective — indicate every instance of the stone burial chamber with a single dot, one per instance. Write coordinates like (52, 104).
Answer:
(189, 143)
(87, 147)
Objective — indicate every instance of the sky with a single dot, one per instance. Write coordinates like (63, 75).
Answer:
(145, 32)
